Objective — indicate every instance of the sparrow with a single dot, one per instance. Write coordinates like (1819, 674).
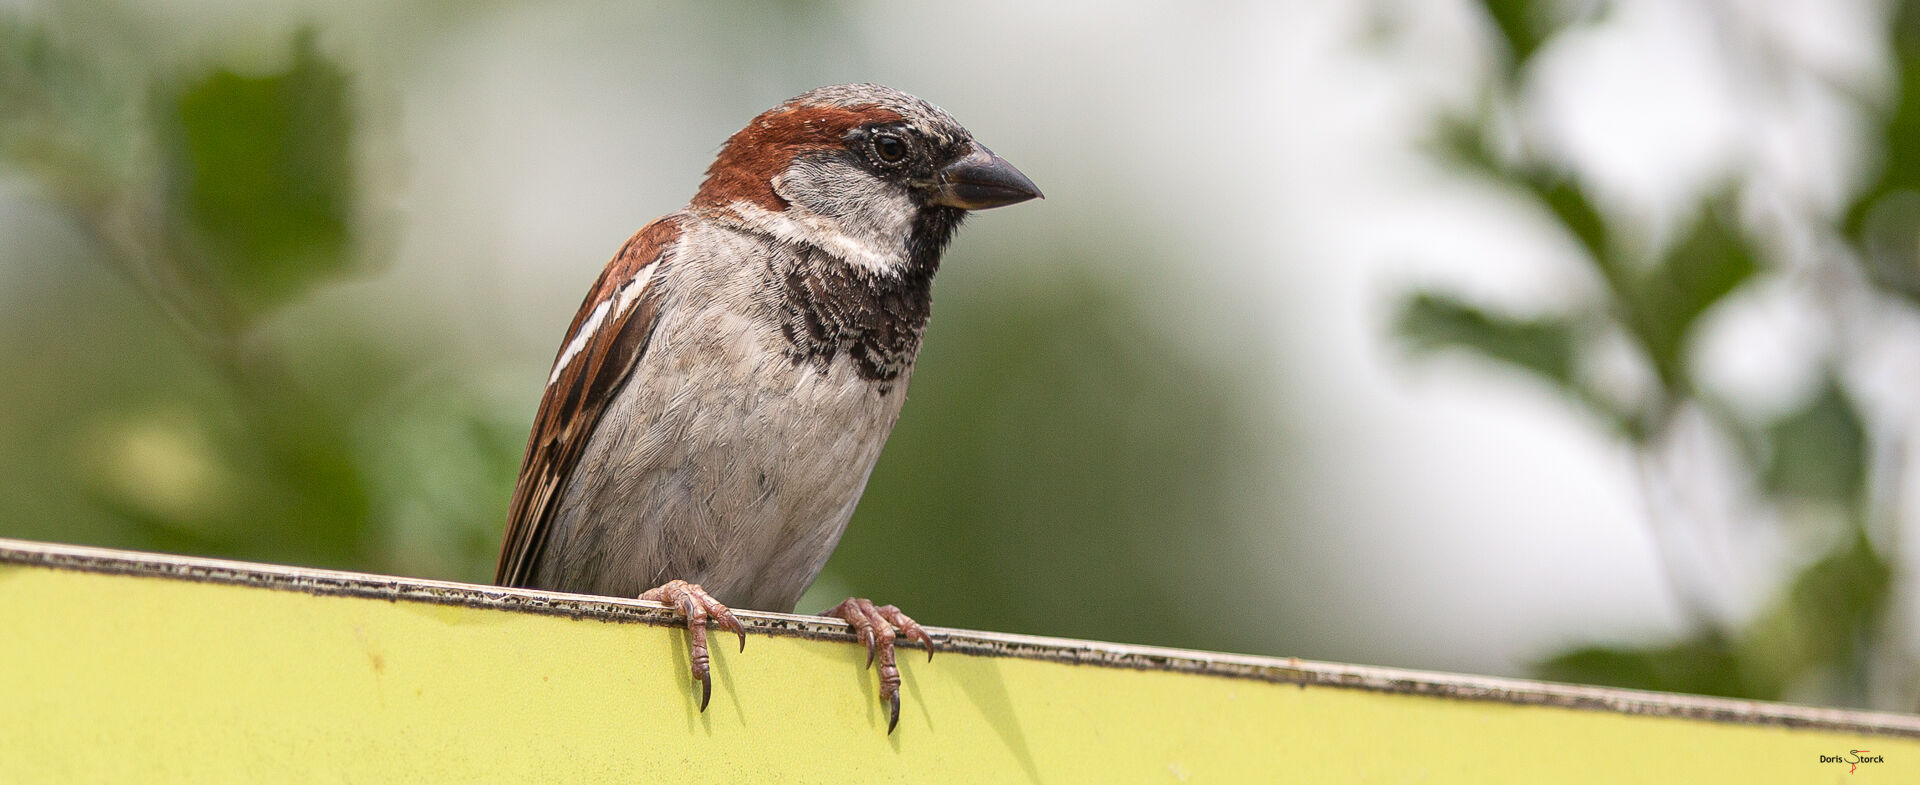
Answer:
(725, 389)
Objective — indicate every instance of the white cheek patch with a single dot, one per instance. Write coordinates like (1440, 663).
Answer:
(806, 228)
(629, 293)
(841, 209)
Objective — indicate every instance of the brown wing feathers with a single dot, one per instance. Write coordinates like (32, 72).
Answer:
(596, 357)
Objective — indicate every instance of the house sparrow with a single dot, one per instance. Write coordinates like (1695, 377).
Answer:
(725, 389)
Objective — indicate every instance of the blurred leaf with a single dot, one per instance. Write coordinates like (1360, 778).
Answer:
(1520, 25)
(1459, 139)
(1577, 214)
(1900, 170)
(1889, 238)
(1821, 621)
(1702, 666)
(1545, 346)
(1712, 262)
(1825, 618)
(1819, 452)
(262, 168)
(205, 443)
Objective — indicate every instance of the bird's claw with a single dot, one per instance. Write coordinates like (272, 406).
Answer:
(878, 628)
(697, 607)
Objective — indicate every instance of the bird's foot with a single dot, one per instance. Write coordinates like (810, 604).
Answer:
(878, 627)
(697, 607)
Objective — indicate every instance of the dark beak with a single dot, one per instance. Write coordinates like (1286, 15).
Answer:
(982, 180)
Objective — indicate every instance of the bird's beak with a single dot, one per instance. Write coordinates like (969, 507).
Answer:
(982, 180)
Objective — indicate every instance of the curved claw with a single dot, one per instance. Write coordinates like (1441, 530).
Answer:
(878, 628)
(696, 606)
(728, 622)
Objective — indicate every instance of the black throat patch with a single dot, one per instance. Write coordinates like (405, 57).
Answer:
(831, 306)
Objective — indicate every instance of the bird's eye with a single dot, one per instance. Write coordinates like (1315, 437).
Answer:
(889, 148)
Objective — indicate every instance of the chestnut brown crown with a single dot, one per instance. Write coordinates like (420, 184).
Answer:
(891, 136)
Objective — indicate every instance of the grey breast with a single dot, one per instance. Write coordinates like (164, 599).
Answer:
(722, 460)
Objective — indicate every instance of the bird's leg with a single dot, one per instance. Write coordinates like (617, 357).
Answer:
(697, 606)
(877, 627)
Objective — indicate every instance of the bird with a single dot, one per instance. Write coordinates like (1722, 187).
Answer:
(722, 394)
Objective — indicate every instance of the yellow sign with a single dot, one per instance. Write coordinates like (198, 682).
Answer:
(132, 668)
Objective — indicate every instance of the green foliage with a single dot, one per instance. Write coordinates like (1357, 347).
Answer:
(1885, 219)
(1545, 346)
(157, 408)
(1520, 25)
(1820, 626)
(261, 169)
(1702, 664)
(1663, 306)
(1819, 452)
(1900, 169)
(1580, 218)
(1658, 306)
(1827, 619)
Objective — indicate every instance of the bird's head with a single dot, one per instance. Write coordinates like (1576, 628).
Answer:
(871, 175)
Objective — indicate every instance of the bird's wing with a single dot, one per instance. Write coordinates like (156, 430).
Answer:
(604, 343)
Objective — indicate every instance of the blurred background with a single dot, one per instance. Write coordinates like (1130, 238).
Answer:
(1576, 340)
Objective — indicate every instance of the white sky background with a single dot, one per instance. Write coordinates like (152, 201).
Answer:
(1461, 517)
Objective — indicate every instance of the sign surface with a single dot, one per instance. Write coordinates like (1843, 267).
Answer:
(127, 667)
